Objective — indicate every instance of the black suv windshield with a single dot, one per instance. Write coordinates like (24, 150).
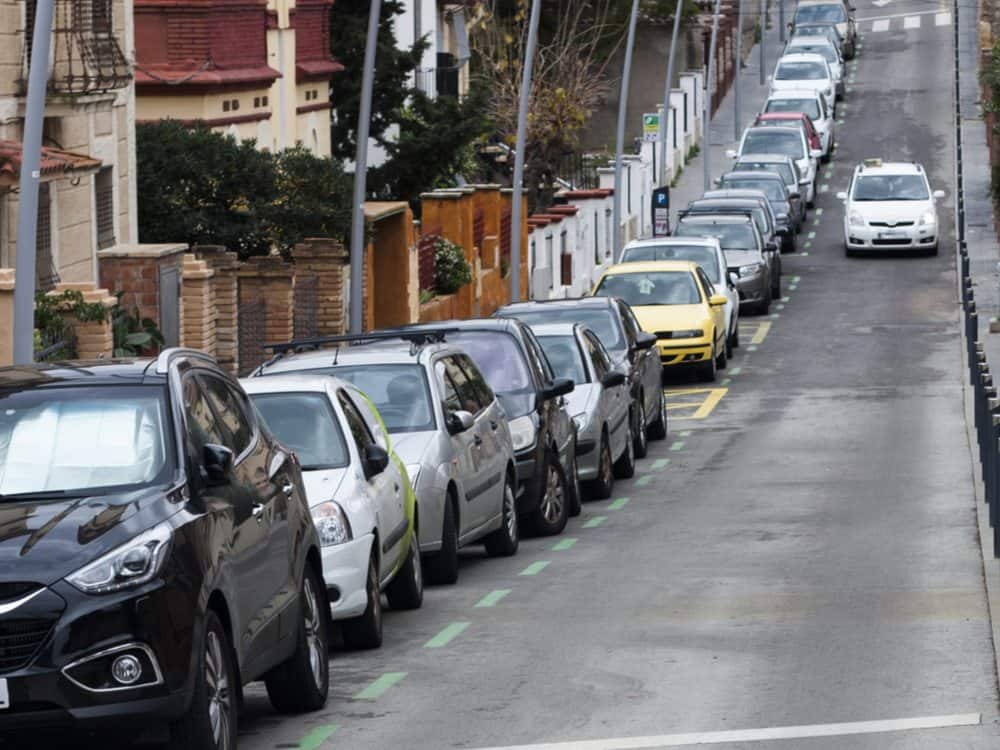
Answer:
(730, 236)
(82, 441)
(600, 320)
(305, 422)
(399, 392)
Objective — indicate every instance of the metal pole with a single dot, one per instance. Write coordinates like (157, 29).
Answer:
(781, 19)
(763, 36)
(27, 214)
(707, 140)
(620, 138)
(738, 117)
(361, 169)
(520, 147)
(667, 86)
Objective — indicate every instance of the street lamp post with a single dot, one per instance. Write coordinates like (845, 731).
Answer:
(707, 117)
(667, 85)
(27, 214)
(738, 117)
(620, 137)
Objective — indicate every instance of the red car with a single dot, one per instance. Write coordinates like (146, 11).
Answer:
(783, 119)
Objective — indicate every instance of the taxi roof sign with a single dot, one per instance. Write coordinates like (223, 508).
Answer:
(874, 162)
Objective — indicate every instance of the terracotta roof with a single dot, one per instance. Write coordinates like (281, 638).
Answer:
(153, 75)
(309, 69)
(55, 162)
(582, 195)
(565, 210)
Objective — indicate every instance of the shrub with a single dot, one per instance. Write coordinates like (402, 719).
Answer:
(451, 270)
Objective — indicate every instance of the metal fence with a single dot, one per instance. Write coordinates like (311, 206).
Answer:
(252, 328)
(306, 310)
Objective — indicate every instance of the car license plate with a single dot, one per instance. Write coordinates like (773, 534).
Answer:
(890, 235)
(4, 695)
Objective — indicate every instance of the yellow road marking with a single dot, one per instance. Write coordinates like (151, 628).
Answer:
(706, 401)
(762, 330)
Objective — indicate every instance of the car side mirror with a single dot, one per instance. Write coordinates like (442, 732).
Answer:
(276, 464)
(217, 464)
(734, 278)
(816, 153)
(938, 194)
(717, 182)
(731, 153)
(771, 247)
(841, 196)
(644, 340)
(795, 195)
(556, 388)
(375, 460)
(613, 378)
(459, 421)
(717, 300)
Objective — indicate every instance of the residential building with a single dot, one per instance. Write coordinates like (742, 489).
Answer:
(252, 68)
(87, 191)
(444, 69)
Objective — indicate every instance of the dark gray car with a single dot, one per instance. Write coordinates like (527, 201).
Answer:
(771, 184)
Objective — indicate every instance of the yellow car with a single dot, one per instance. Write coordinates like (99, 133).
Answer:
(674, 300)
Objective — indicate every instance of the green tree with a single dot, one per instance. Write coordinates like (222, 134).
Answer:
(313, 198)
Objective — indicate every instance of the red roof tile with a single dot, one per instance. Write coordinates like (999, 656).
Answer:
(55, 161)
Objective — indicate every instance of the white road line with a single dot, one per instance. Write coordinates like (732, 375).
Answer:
(757, 735)
(898, 15)
(911, 22)
(881, 25)
(942, 19)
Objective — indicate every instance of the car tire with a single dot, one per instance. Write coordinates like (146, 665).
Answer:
(790, 245)
(573, 490)
(658, 429)
(765, 306)
(196, 729)
(728, 345)
(707, 371)
(503, 542)
(441, 567)
(302, 682)
(848, 253)
(624, 467)
(406, 590)
(735, 335)
(776, 288)
(640, 443)
(602, 487)
(364, 632)
(550, 517)
(722, 360)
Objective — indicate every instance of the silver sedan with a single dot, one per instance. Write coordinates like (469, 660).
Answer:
(599, 404)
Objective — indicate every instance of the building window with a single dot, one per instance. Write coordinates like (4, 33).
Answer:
(256, 102)
(100, 15)
(104, 200)
(46, 275)
(225, 105)
(236, 104)
(263, 101)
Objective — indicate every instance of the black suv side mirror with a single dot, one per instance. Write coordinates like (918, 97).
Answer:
(557, 387)
(375, 460)
(459, 421)
(217, 464)
(644, 340)
(613, 378)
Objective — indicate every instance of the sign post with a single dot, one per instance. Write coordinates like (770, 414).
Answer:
(661, 211)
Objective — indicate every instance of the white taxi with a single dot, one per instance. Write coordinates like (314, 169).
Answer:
(890, 206)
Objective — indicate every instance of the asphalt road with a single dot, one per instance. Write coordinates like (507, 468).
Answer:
(805, 553)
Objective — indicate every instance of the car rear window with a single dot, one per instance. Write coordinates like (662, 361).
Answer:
(601, 320)
(779, 168)
(731, 236)
(773, 141)
(800, 70)
(809, 106)
(771, 188)
(565, 357)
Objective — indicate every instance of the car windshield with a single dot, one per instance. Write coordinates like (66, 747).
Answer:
(731, 236)
(827, 30)
(723, 206)
(399, 392)
(773, 141)
(782, 169)
(830, 13)
(826, 50)
(499, 358)
(773, 189)
(81, 441)
(565, 357)
(641, 288)
(601, 320)
(305, 422)
(706, 257)
(892, 187)
(809, 106)
(800, 70)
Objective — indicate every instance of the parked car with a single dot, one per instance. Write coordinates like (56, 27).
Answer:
(632, 351)
(811, 104)
(600, 404)
(889, 206)
(819, 45)
(446, 425)
(707, 253)
(781, 233)
(833, 12)
(793, 119)
(675, 299)
(783, 166)
(360, 497)
(744, 250)
(806, 71)
(157, 554)
(788, 141)
(786, 212)
(826, 31)
(544, 440)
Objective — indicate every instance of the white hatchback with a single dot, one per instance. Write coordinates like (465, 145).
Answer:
(890, 206)
(810, 102)
(806, 71)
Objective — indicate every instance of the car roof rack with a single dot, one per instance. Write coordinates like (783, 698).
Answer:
(728, 212)
(418, 337)
(168, 355)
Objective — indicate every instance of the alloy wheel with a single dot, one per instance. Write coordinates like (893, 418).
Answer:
(314, 632)
(218, 692)
(552, 502)
(510, 512)
(606, 462)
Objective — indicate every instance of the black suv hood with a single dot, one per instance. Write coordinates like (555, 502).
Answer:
(46, 540)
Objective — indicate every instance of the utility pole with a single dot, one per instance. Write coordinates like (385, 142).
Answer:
(620, 138)
(707, 117)
(763, 38)
(781, 19)
(519, 149)
(27, 213)
(738, 117)
(667, 86)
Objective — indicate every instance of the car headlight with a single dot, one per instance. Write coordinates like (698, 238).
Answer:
(413, 470)
(927, 218)
(132, 564)
(522, 432)
(331, 523)
(855, 219)
(753, 269)
(690, 333)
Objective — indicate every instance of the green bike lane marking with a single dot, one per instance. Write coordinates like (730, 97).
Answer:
(660, 464)
(727, 381)
(492, 598)
(380, 686)
(317, 737)
(535, 568)
(736, 371)
(563, 544)
(684, 433)
(447, 635)
(595, 522)
(618, 504)
(677, 445)
(644, 480)
(811, 235)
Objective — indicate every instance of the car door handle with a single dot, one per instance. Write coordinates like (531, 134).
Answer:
(288, 489)
(477, 439)
(494, 425)
(258, 511)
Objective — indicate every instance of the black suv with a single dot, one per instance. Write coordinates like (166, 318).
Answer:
(156, 553)
(516, 368)
(632, 350)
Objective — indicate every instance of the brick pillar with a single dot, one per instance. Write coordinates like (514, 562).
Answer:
(270, 278)
(94, 338)
(224, 265)
(6, 316)
(490, 201)
(137, 270)
(326, 258)
(198, 301)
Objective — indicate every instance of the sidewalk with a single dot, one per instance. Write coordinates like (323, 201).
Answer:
(722, 134)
